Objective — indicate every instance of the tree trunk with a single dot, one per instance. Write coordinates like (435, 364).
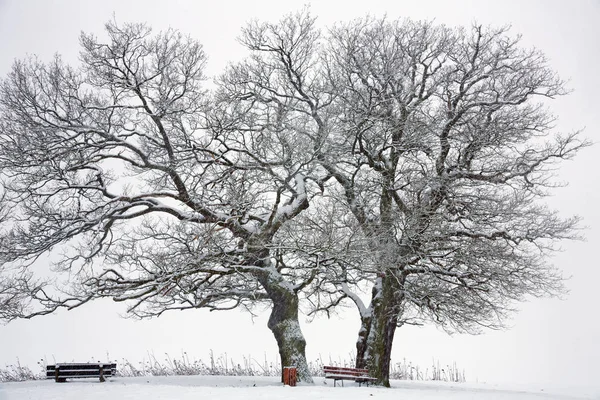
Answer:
(285, 326)
(361, 343)
(386, 306)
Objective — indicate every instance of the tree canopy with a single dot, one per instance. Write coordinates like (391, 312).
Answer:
(409, 155)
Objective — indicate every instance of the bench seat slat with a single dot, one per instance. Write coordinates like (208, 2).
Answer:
(346, 371)
(357, 373)
(67, 367)
(82, 369)
(78, 373)
(350, 377)
(364, 370)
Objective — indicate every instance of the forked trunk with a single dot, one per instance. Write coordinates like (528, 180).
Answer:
(386, 306)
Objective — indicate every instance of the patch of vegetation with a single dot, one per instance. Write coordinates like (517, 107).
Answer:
(227, 366)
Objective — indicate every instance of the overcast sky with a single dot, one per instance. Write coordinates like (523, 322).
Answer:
(549, 340)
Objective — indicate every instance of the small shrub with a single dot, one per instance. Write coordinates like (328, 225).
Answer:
(18, 373)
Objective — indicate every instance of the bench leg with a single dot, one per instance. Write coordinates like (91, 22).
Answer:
(57, 378)
(102, 374)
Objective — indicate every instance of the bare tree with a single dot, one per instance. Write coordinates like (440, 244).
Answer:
(410, 155)
(157, 192)
(11, 298)
(443, 153)
(281, 86)
(440, 151)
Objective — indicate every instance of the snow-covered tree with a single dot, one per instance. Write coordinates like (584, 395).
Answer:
(153, 190)
(12, 298)
(444, 150)
(408, 155)
(438, 151)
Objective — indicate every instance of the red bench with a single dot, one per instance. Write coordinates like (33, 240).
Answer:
(359, 375)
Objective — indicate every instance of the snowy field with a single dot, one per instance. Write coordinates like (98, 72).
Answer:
(234, 388)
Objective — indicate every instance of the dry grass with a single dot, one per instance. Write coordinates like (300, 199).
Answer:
(224, 365)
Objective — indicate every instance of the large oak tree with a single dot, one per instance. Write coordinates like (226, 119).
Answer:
(156, 191)
(444, 151)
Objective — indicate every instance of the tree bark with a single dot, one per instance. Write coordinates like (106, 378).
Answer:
(284, 324)
(386, 306)
(361, 343)
(292, 346)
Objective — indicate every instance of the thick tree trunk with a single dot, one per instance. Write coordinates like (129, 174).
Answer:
(386, 306)
(292, 346)
(284, 324)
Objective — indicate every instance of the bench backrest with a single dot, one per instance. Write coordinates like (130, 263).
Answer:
(80, 370)
(345, 371)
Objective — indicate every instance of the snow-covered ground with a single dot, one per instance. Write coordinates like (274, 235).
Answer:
(233, 388)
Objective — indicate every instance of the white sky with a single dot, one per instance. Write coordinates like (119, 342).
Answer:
(550, 340)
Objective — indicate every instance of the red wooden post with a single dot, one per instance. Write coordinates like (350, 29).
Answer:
(290, 376)
(293, 376)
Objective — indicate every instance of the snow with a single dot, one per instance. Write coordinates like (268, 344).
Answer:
(283, 212)
(237, 387)
(362, 309)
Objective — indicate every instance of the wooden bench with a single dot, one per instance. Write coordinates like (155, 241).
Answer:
(359, 375)
(62, 372)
